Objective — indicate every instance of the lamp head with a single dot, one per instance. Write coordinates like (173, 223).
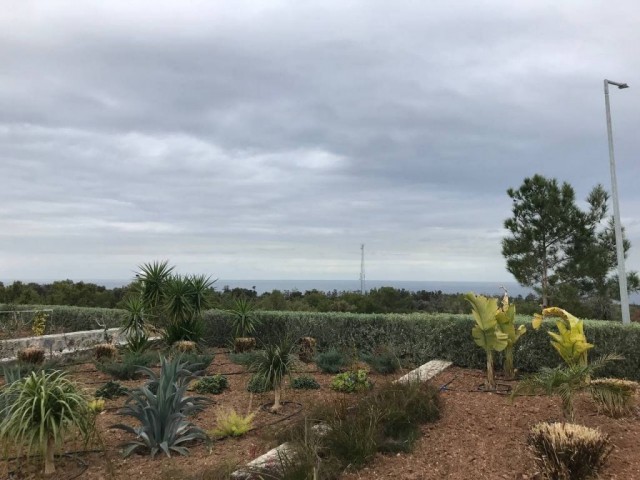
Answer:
(623, 85)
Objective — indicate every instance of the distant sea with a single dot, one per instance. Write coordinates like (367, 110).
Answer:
(261, 286)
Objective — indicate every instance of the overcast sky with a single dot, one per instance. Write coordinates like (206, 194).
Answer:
(269, 139)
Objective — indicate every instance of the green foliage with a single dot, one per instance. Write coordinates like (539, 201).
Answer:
(128, 368)
(331, 361)
(304, 382)
(153, 277)
(383, 360)
(349, 382)
(243, 319)
(137, 344)
(39, 323)
(244, 358)
(486, 333)
(506, 318)
(418, 338)
(135, 324)
(229, 423)
(256, 384)
(161, 408)
(44, 409)
(565, 451)
(565, 382)
(214, 384)
(570, 341)
(197, 363)
(111, 390)
(273, 363)
(190, 328)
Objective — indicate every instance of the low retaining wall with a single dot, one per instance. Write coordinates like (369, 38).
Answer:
(59, 344)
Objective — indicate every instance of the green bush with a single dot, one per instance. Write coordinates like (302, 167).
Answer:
(382, 361)
(258, 385)
(304, 382)
(417, 338)
(245, 358)
(111, 390)
(349, 382)
(197, 362)
(128, 368)
(331, 361)
(215, 384)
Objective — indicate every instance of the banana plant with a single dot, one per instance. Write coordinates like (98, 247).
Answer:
(486, 332)
(506, 317)
(570, 341)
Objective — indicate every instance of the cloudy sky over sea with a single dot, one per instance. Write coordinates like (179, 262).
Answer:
(269, 139)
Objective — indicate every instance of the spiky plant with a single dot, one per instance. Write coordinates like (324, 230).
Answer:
(243, 319)
(153, 277)
(564, 381)
(613, 396)
(134, 321)
(45, 408)
(273, 364)
(161, 407)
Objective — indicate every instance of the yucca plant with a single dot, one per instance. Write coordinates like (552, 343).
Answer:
(134, 321)
(161, 407)
(153, 278)
(44, 408)
(564, 381)
(273, 364)
(243, 320)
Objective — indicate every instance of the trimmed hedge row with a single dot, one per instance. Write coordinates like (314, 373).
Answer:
(415, 338)
(71, 319)
(418, 338)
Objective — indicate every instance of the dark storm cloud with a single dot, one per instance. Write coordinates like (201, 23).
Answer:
(259, 139)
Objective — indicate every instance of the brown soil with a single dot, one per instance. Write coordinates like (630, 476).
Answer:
(479, 436)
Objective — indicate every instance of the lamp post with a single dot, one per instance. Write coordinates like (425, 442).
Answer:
(622, 275)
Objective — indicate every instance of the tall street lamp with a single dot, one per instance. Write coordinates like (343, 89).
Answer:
(622, 275)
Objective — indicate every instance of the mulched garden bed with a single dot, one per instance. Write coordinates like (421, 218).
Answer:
(479, 436)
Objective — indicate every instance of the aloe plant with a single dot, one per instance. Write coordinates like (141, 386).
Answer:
(486, 333)
(41, 410)
(161, 407)
(570, 341)
(506, 318)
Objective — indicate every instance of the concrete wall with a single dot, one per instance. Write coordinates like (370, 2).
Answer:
(58, 344)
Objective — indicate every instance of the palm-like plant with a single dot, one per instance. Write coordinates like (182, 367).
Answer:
(153, 277)
(161, 407)
(43, 408)
(565, 382)
(200, 288)
(134, 321)
(273, 364)
(243, 319)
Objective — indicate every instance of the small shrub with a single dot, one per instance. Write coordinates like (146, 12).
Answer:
(197, 363)
(566, 451)
(304, 382)
(215, 384)
(39, 323)
(111, 390)
(331, 361)
(96, 405)
(185, 346)
(244, 344)
(307, 349)
(137, 343)
(613, 396)
(129, 368)
(384, 361)
(190, 329)
(244, 358)
(229, 423)
(105, 351)
(349, 382)
(257, 384)
(31, 356)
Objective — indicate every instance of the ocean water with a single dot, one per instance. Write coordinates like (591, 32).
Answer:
(261, 286)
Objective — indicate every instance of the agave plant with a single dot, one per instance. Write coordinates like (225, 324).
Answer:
(566, 381)
(272, 365)
(161, 407)
(41, 410)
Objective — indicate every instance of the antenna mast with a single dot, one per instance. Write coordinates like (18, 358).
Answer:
(362, 270)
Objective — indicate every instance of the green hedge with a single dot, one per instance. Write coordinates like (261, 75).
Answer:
(71, 319)
(418, 338)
